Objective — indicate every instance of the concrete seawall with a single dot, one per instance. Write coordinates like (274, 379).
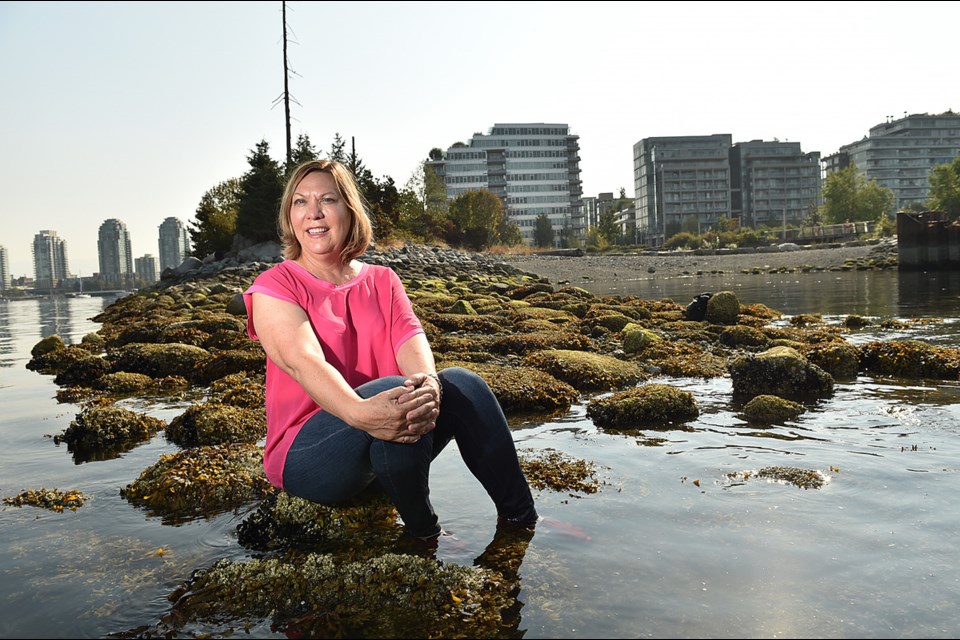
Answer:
(927, 240)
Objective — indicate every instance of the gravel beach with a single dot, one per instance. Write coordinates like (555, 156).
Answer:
(573, 269)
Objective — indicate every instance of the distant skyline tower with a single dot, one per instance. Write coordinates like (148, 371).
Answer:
(49, 260)
(113, 246)
(174, 243)
(147, 269)
(5, 281)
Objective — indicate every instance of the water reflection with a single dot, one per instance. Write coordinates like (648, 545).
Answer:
(929, 293)
(55, 317)
(6, 337)
(882, 294)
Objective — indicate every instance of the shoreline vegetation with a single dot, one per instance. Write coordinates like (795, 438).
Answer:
(542, 347)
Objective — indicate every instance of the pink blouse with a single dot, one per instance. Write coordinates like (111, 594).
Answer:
(361, 326)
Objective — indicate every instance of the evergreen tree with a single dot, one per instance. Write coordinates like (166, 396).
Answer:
(261, 190)
(216, 220)
(607, 226)
(302, 152)
(337, 153)
(543, 232)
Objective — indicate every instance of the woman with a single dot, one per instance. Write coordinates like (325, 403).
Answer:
(352, 391)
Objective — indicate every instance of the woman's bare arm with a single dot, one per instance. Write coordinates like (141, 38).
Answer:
(289, 341)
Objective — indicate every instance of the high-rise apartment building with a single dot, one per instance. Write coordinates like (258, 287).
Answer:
(147, 272)
(899, 154)
(691, 183)
(534, 168)
(49, 260)
(773, 183)
(174, 243)
(5, 281)
(680, 183)
(116, 259)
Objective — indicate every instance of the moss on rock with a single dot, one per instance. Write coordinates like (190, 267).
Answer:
(653, 406)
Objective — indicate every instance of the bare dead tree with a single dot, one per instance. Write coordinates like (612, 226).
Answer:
(286, 87)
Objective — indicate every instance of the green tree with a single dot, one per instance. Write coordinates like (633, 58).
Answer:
(216, 220)
(423, 206)
(475, 216)
(543, 232)
(596, 239)
(849, 197)
(261, 189)
(302, 152)
(383, 199)
(607, 226)
(945, 188)
(337, 154)
(509, 234)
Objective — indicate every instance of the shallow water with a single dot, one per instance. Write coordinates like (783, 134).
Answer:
(675, 544)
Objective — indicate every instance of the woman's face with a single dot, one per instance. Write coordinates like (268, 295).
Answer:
(319, 215)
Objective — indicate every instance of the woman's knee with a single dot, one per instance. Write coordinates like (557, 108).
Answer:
(372, 388)
(464, 380)
(465, 391)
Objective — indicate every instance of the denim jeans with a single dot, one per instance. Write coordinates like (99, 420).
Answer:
(330, 462)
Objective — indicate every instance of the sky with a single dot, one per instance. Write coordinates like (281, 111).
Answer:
(134, 110)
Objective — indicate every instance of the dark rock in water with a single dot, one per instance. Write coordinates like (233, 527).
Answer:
(697, 309)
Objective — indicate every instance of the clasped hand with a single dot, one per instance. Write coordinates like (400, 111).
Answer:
(407, 412)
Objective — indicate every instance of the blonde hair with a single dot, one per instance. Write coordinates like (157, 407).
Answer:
(360, 232)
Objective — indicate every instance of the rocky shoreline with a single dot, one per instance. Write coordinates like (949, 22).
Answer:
(572, 268)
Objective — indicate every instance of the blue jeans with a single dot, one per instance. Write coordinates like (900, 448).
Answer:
(330, 462)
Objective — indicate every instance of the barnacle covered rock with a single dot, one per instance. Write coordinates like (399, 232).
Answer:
(244, 389)
(465, 323)
(855, 321)
(637, 338)
(743, 336)
(123, 382)
(910, 359)
(522, 389)
(651, 406)
(680, 359)
(769, 409)
(57, 360)
(360, 528)
(83, 372)
(463, 307)
(839, 359)
(586, 371)
(723, 307)
(47, 345)
(200, 482)
(523, 343)
(779, 371)
(106, 427)
(212, 423)
(159, 360)
(318, 596)
(223, 363)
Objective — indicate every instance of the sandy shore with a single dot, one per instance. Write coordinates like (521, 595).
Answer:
(573, 269)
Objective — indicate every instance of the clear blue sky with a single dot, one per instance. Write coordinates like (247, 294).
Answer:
(133, 110)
